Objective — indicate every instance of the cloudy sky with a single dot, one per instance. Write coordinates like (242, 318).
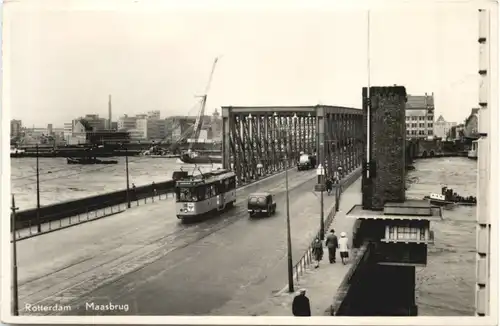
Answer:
(64, 62)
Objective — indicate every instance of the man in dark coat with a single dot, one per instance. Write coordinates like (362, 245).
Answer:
(332, 243)
(317, 251)
(329, 185)
(301, 306)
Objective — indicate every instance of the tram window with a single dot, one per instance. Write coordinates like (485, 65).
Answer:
(220, 187)
(213, 191)
(201, 192)
(185, 194)
(232, 183)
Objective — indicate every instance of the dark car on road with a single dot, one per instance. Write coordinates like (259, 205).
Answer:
(261, 203)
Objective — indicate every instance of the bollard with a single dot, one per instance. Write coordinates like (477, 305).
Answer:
(29, 223)
(111, 209)
(78, 217)
(95, 214)
(137, 202)
(297, 272)
(145, 199)
(50, 226)
(87, 211)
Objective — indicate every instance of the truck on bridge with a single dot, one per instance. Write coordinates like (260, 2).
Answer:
(306, 162)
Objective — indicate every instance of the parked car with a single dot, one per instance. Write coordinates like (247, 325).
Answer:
(261, 203)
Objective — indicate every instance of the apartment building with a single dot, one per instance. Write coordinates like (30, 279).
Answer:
(420, 116)
(15, 128)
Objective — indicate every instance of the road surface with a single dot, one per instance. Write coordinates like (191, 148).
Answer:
(146, 259)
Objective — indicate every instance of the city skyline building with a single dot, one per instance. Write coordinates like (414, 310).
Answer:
(15, 128)
(442, 127)
(420, 116)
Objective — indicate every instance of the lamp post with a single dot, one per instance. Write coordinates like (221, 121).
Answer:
(337, 188)
(15, 297)
(288, 231)
(126, 171)
(288, 236)
(38, 222)
(250, 131)
(320, 171)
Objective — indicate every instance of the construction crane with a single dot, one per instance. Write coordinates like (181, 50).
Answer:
(199, 119)
(195, 129)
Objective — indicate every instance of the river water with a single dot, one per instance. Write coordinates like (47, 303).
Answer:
(446, 286)
(61, 182)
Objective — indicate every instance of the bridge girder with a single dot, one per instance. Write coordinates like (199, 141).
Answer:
(261, 141)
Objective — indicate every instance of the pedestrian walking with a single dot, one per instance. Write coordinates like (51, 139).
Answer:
(153, 185)
(332, 243)
(317, 252)
(344, 247)
(329, 186)
(301, 306)
(134, 192)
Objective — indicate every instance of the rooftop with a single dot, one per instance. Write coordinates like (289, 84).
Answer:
(358, 212)
(440, 119)
(415, 112)
(259, 194)
(420, 101)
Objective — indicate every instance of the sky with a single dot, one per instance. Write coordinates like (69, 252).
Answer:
(64, 62)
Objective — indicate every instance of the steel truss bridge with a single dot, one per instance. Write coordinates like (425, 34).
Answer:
(261, 141)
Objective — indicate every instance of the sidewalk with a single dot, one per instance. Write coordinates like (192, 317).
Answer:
(321, 284)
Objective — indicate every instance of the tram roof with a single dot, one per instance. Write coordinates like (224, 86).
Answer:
(207, 177)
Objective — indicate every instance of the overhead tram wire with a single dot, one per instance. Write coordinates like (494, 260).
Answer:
(49, 172)
(41, 172)
(53, 171)
(69, 175)
(77, 173)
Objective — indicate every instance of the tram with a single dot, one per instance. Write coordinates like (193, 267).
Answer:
(206, 193)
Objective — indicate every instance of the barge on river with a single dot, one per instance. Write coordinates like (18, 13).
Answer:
(89, 160)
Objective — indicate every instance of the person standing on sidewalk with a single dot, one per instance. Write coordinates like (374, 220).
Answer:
(332, 243)
(301, 306)
(317, 251)
(344, 247)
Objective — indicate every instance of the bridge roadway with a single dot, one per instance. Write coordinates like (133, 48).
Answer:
(145, 258)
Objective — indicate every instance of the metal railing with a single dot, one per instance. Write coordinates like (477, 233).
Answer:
(307, 258)
(52, 224)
